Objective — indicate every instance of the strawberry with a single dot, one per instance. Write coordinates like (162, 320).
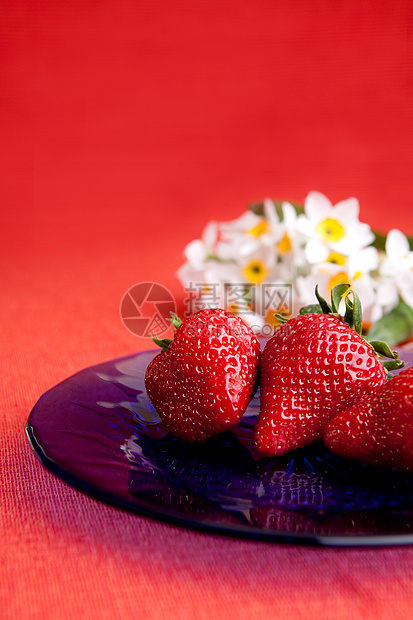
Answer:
(202, 380)
(314, 366)
(378, 429)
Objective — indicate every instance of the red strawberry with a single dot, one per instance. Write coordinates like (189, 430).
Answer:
(203, 380)
(314, 366)
(378, 429)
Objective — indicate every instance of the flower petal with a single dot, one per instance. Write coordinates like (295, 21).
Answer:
(305, 226)
(364, 289)
(271, 215)
(195, 253)
(306, 287)
(397, 245)
(357, 237)
(405, 284)
(347, 210)
(317, 206)
(316, 252)
(210, 234)
(289, 214)
(248, 246)
(387, 293)
(363, 261)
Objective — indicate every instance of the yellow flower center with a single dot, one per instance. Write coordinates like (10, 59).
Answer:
(233, 308)
(285, 244)
(255, 271)
(260, 229)
(331, 230)
(339, 278)
(271, 318)
(336, 258)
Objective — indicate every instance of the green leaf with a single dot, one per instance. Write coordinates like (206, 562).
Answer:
(348, 314)
(311, 309)
(323, 304)
(392, 364)
(395, 326)
(382, 348)
(281, 318)
(337, 295)
(379, 240)
(353, 312)
(357, 313)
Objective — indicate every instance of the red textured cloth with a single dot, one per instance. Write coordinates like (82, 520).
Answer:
(126, 127)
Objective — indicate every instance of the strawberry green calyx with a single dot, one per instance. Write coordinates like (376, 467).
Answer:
(384, 350)
(165, 342)
(353, 317)
(175, 320)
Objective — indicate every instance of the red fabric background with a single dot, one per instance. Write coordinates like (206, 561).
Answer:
(125, 128)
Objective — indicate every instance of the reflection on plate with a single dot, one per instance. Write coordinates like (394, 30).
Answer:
(98, 431)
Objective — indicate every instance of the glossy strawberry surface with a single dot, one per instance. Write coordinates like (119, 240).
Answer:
(202, 384)
(379, 428)
(313, 367)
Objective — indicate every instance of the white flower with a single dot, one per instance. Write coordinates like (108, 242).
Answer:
(235, 262)
(355, 270)
(266, 233)
(291, 245)
(332, 228)
(396, 271)
(234, 237)
(198, 250)
(241, 250)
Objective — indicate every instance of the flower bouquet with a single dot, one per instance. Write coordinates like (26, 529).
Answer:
(269, 260)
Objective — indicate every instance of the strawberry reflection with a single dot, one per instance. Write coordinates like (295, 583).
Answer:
(224, 481)
(308, 492)
(368, 523)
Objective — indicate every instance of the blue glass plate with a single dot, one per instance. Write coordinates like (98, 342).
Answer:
(98, 431)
